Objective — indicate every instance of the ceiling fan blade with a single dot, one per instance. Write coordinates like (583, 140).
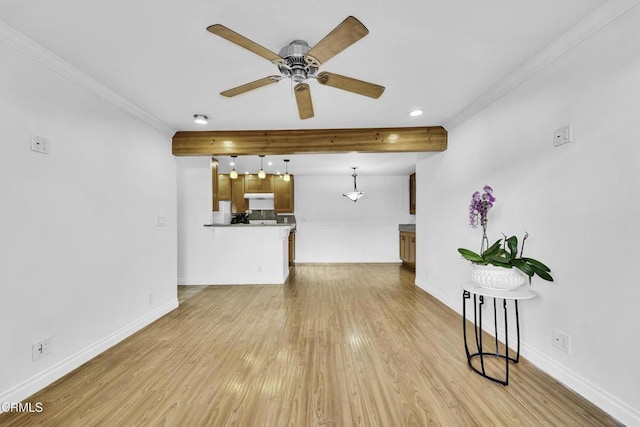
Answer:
(344, 35)
(251, 86)
(303, 98)
(240, 40)
(350, 84)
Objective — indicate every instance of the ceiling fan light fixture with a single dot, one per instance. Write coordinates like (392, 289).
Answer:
(354, 195)
(286, 176)
(299, 62)
(200, 119)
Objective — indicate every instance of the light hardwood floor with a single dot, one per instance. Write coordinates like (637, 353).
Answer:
(337, 345)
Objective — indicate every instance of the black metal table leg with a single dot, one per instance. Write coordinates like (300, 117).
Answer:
(479, 352)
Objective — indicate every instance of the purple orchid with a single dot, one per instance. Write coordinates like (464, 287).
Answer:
(479, 211)
(480, 206)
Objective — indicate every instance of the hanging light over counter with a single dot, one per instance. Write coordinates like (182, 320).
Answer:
(234, 173)
(286, 176)
(354, 195)
(261, 173)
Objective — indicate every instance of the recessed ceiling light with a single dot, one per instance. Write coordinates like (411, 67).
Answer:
(416, 113)
(200, 119)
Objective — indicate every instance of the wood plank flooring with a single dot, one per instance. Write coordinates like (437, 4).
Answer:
(337, 345)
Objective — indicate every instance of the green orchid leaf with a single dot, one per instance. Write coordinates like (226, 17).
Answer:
(537, 264)
(493, 249)
(497, 260)
(542, 273)
(524, 267)
(513, 246)
(470, 255)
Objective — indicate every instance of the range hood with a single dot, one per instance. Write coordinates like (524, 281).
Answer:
(258, 196)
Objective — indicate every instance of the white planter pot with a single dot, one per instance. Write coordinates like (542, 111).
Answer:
(499, 278)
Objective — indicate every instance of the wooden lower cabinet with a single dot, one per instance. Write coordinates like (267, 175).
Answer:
(408, 248)
(292, 248)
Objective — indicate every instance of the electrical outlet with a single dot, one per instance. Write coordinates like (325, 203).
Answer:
(161, 221)
(40, 348)
(150, 298)
(40, 144)
(562, 341)
(562, 135)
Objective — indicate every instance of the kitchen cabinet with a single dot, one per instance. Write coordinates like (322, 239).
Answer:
(238, 202)
(283, 195)
(292, 248)
(253, 184)
(215, 205)
(408, 248)
(412, 194)
(224, 187)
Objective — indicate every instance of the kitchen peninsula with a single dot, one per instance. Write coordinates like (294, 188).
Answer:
(246, 254)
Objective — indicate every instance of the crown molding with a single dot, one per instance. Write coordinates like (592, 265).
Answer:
(584, 29)
(33, 50)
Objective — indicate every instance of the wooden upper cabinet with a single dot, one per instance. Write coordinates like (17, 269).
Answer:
(283, 195)
(224, 187)
(214, 185)
(412, 194)
(238, 202)
(253, 184)
(235, 189)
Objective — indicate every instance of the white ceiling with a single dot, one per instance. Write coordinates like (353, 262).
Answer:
(436, 55)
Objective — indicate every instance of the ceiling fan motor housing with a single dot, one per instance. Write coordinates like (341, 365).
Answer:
(296, 67)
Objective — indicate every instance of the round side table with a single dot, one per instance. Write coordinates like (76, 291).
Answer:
(479, 294)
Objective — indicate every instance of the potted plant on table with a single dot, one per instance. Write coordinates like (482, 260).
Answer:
(499, 266)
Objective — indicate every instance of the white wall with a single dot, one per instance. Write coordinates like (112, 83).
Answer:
(331, 228)
(580, 204)
(79, 249)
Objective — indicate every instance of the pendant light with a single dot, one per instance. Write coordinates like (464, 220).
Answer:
(354, 195)
(234, 173)
(261, 172)
(200, 119)
(286, 176)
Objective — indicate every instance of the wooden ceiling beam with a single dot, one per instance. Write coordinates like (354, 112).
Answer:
(308, 141)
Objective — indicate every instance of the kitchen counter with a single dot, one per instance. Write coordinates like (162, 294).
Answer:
(251, 225)
(292, 227)
(241, 254)
(409, 228)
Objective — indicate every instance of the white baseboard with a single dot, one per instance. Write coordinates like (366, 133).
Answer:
(60, 369)
(596, 395)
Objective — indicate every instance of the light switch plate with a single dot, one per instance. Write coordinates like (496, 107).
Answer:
(40, 144)
(562, 136)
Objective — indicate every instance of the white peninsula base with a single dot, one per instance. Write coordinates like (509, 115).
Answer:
(239, 255)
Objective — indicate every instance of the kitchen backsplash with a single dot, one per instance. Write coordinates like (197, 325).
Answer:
(266, 214)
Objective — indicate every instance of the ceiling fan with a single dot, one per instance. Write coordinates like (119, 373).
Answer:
(299, 62)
